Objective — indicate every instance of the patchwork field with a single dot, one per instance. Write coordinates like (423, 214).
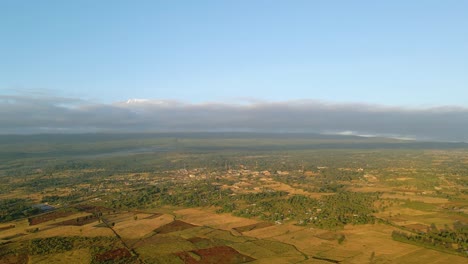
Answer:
(236, 200)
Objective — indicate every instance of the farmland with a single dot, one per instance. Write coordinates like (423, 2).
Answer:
(231, 198)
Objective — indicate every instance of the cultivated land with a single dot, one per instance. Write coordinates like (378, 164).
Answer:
(231, 198)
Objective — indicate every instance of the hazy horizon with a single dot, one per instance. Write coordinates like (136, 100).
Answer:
(393, 69)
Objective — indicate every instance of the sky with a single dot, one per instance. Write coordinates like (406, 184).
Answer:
(244, 56)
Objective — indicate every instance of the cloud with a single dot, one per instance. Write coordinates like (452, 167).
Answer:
(48, 114)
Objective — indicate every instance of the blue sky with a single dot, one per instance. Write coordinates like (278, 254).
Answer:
(402, 53)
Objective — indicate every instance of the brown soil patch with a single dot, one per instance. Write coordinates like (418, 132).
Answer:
(92, 208)
(197, 239)
(201, 242)
(7, 227)
(115, 254)
(14, 236)
(153, 216)
(214, 255)
(14, 259)
(418, 227)
(73, 230)
(157, 240)
(79, 221)
(174, 226)
(252, 227)
(35, 220)
(397, 219)
(330, 236)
